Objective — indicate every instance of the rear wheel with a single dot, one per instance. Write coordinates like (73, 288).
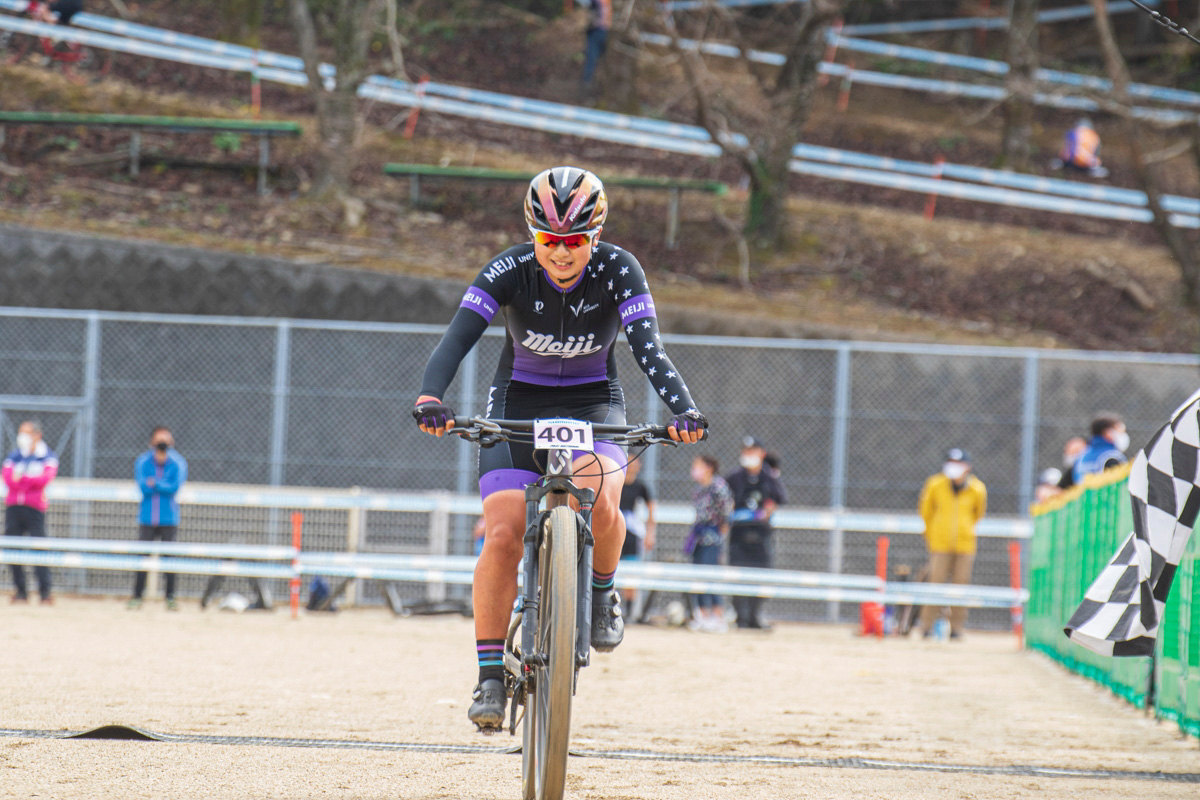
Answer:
(554, 683)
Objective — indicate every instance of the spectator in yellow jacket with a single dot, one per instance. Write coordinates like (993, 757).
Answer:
(952, 501)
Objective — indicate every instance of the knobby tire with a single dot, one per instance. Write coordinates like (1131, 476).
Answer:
(554, 683)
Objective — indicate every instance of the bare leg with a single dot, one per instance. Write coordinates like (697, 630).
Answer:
(608, 525)
(495, 585)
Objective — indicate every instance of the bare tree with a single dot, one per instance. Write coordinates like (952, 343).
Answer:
(757, 112)
(620, 80)
(1182, 250)
(347, 26)
(1021, 85)
(241, 20)
(392, 27)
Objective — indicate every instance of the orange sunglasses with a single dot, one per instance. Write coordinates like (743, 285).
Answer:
(571, 240)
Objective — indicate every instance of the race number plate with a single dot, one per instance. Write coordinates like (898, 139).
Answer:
(562, 433)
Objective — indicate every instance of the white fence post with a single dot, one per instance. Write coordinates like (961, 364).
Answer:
(837, 464)
(356, 525)
(439, 540)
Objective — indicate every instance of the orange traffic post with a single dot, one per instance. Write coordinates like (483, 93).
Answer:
(981, 32)
(931, 202)
(831, 50)
(297, 539)
(413, 115)
(843, 101)
(872, 614)
(1014, 573)
(255, 89)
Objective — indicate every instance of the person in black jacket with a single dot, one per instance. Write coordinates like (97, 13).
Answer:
(756, 495)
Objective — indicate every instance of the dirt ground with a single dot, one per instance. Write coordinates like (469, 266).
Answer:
(799, 692)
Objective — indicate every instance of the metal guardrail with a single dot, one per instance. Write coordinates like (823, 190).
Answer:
(953, 88)
(969, 23)
(984, 194)
(689, 5)
(575, 123)
(772, 584)
(72, 489)
(999, 68)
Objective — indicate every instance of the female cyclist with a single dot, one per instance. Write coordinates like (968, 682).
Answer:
(566, 295)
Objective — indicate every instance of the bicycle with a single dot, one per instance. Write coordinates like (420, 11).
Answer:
(68, 54)
(553, 610)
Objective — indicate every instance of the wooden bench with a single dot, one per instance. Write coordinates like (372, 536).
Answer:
(139, 124)
(674, 186)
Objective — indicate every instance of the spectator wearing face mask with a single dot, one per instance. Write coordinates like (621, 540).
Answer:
(27, 470)
(1047, 484)
(160, 472)
(951, 503)
(713, 504)
(1107, 447)
(1072, 449)
(756, 495)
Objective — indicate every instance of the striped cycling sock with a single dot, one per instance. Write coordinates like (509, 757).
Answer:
(603, 581)
(491, 659)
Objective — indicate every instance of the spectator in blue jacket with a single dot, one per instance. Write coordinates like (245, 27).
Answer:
(160, 472)
(1107, 447)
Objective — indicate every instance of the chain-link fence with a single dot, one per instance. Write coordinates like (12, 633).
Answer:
(324, 404)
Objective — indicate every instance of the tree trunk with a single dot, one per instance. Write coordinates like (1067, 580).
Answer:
(1021, 85)
(790, 100)
(766, 211)
(393, 36)
(241, 21)
(1173, 237)
(619, 82)
(339, 123)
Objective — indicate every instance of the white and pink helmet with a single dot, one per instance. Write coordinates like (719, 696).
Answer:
(565, 200)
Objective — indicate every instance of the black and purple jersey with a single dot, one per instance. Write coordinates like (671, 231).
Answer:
(560, 337)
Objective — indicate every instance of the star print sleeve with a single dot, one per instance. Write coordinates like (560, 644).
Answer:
(631, 292)
(484, 298)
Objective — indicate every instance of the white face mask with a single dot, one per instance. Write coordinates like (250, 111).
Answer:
(1121, 441)
(25, 443)
(954, 470)
(750, 461)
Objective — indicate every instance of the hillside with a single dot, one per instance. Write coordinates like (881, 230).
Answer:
(861, 262)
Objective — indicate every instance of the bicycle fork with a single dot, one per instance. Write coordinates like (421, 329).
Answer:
(559, 488)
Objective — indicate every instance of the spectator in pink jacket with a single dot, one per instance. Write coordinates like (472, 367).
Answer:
(26, 472)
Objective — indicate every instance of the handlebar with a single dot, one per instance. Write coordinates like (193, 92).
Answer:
(491, 431)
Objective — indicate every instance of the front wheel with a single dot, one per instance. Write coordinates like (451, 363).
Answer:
(554, 683)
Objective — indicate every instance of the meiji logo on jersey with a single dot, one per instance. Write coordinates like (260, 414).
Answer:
(582, 309)
(475, 300)
(499, 267)
(636, 308)
(544, 344)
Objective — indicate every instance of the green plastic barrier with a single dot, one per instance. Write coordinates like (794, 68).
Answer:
(260, 127)
(1074, 536)
(1177, 679)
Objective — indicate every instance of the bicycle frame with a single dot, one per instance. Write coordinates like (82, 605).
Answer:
(557, 488)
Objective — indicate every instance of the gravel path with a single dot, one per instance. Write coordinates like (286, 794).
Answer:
(802, 692)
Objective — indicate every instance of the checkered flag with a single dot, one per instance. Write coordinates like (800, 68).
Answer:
(1121, 610)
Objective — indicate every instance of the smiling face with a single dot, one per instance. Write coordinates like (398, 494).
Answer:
(564, 258)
